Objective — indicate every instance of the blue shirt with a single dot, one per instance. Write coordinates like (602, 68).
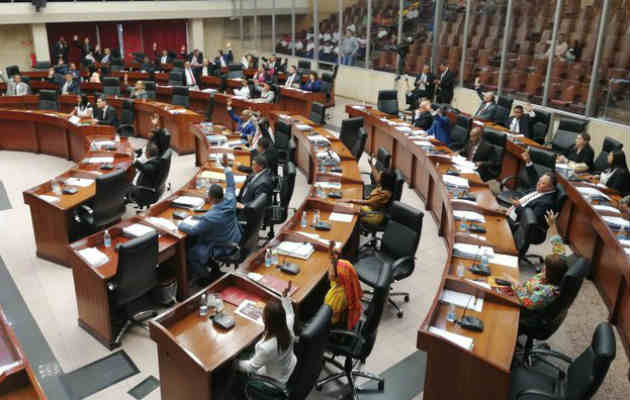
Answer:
(244, 128)
(312, 86)
(441, 129)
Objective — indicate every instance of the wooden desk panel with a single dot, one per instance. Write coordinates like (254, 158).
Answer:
(18, 135)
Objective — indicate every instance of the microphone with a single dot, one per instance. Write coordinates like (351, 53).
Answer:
(470, 323)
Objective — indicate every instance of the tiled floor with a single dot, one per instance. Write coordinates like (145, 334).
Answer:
(49, 292)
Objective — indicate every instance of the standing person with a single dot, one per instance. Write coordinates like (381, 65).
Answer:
(445, 85)
(349, 48)
(60, 49)
(85, 46)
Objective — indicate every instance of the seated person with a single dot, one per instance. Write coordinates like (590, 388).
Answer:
(580, 155)
(441, 126)
(482, 154)
(148, 171)
(105, 114)
(159, 136)
(260, 76)
(206, 68)
(83, 108)
(617, 176)
(69, 85)
(540, 200)
(423, 87)
(95, 77)
(274, 356)
(293, 79)
(266, 94)
(423, 117)
(244, 91)
(543, 288)
(519, 121)
(313, 84)
(487, 108)
(258, 182)
(139, 91)
(246, 124)
(344, 295)
(218, 225)
(265, 148)
(147, 66)
(380, 197)
(15, 86)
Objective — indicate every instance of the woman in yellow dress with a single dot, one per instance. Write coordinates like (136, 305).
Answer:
(344, 295)
(373, 207)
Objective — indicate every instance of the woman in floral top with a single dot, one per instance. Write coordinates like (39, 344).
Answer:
(543, 288)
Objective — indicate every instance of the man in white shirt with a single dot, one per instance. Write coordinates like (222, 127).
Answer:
(107, 55)
(205, 69)
(519, 121)
(243, 91)
(266, 94)
(69, 85)
(19, 88)
(189, 76)
(164, 59)
(292, 79)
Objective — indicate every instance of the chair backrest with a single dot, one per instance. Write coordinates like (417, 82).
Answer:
(561, 197)
(543, 160)
(563, 140)
(109, 200)
(387, 101)
(374, 311)
(254, 213)
(496, 139)
(175, 78)
(318, 113)
(610, 144)
(178, 64)
(303, 67)
(164, 141)
(48, 100)
(359, 145)
(349, 132)
(501, 115)
(180, 96)
(460, 132)
(402, 231)
(111, 86)
(399, 181)
(310, 354)
(149, 86)
(42, 65)
(539, 132)
(543, 117)
(287, 184)
(572, 125)
(165, 169)
(210, 112)
(127, 114)
(235, 71)
(587, 372)
(528, 231)
(505, 102)
(137, 263)
(383, 159)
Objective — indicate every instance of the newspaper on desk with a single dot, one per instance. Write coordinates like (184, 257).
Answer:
(81, 182)
(296, 249)
(463, 300)
(469, 215)
(462, 341)
(456, 181)
(93, 256)
(591, 192)
(137, 230)
(163, 223)
(191, 202)
(98, 160)
(328, 185)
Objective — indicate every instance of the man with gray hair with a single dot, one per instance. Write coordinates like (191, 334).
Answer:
(488, 108)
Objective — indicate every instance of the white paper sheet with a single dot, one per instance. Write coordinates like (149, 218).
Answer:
(462, 300)
(599, 207)
(163, 223)
(505, 260)
(49, 199)
(99, 160)
(469, 215)
(93, 256)
(137, 230)
(456, 181)
(616, 220)
(589, 191)
(340, 217)
(82, 182)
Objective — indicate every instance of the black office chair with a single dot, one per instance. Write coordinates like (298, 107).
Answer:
(303, 67)
(12, 70)
(398, 248)
(496, 139)
(145, 192)
(577, 126)
(108, 204)
(610, 144)
(235, 71)
(283, 142)
(327, 84)
(373, 230)
(180, 96)
(539, 126)
(149, 86)
(359, 145)
(387, 102)
(309, 350)
(543, 161)
(276, 89)
(253, 214)
(42, 65)
(126, 127)
(48, 100)
(540, 324)
(580, 381)
(501, 115)
(356, 345)
(349, 132)
(111, 86)
(210, 111)
(562, 141)
(278, 213)
(135, 277)
(175, 78)
(164, 141)
(460, 133)
(383, 161)
(318, 113)
(505, 102)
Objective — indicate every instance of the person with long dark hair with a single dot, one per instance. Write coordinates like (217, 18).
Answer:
(373, 207)
(84, 108)
(617, 176)
(274, 356)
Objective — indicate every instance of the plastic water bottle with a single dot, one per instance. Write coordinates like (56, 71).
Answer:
(56, 187)
(460, 270)
(316, 217)
(451, 315)
(268, 258)
(463, 225)
(107, 238)
(484, 258)
(203, 305)
(274, 257)
(303, 222)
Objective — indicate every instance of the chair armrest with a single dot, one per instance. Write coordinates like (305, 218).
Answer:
(149, 189)
(400, 261)
(553, 354)
(507, 180)
(85, 209)
(537, 393)
(274, 384)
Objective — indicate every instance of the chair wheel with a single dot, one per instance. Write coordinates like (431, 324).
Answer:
(406, 298)
(399, 314)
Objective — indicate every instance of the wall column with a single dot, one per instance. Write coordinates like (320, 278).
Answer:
(40, 42)
(196, 34)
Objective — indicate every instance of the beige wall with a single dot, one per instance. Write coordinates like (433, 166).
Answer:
(16, 46)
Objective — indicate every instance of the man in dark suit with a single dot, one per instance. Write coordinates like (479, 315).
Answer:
(147, 66)
(60, 50)
(85, 47)
(105, 114)
(488, 108)
(69, 85)
(258, 182)
(482, 154)
(149, 170)
(423, 88)
(520, 120)
(164, 58)
(423, 118)
(445, 85)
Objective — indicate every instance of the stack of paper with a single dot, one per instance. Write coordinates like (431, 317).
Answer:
(93, 256)
(462, 300)
(209, 90)
(219, 156)
(216, 140)
(190, 221)
(359, 107)
(189, 202)
(318, 139)
(163, 223)
(616, 222)
(213, 175)
(461, 341)
(600, 208)
(303, 127)
(505, 260)
(592, 193)
(469, 215)
(340, 217)
(82, 182)
(472, 251)
(49, 199)
(295, 249)
(328, 185)
(137, 230)
(99, 160)
(404, 129)
(455, 181)
(178, 111)
(75, 120)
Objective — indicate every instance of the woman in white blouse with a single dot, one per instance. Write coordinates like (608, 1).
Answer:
(83, 108)
(274, 356)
